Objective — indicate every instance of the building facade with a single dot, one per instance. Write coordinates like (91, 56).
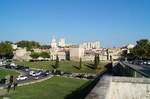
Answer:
(91, 45)
(76, 53)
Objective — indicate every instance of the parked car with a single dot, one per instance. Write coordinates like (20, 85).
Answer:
(8, 66)
(36, 78)
(148, 62)
(44, 74)
(66, 74)
(80, 76)
(91, 77)
(23, 68)
(2, 81)
(56, 72)
(38, 73)
(21, 77)
(32, 73)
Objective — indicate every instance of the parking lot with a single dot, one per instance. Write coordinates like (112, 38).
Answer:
(32, 75)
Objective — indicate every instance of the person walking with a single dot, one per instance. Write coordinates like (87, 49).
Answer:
(15, 83)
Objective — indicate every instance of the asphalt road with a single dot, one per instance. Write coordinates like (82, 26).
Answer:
(144, 69)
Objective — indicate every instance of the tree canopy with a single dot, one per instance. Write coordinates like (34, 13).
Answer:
(44, 55)
(6, 50)
(34, 55)
(28, 44)
(45, 46)
(141, 50)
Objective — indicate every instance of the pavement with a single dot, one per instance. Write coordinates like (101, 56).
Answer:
(3, 92)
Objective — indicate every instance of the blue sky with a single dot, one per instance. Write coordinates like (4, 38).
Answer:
(112, 22)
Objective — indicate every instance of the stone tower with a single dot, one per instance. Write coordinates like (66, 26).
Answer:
(53, 42)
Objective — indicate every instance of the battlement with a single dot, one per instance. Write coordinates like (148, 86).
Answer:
(121, 88)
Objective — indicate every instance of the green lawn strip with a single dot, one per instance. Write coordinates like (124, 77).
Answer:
(66, 66)
(54, 88)
(5, 72)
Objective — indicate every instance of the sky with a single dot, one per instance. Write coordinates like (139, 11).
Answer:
(112, 22)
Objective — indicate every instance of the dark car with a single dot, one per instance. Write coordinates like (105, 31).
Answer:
(91, 77)
(80, 76)
(48, 72)
(2, 81)
(44, 74)
(22, 68)
(66, 74)
(8, 66)
(56, 72)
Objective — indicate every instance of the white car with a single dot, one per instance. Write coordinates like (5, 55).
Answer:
(31, 73)
(38, 73)
(21, 77)
(36, 78)
(148, 63)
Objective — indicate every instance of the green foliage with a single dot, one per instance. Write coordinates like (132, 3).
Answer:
(96, 61)
(80, 63)
(6, 50)
(44, 55)
(45, 47)
(34, 55)
(142, 49)
(56, 62)
(9, 42)
(28, 44)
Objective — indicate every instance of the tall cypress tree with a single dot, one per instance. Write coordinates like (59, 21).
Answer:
(57, 62)
(96, 61)
(80, 64)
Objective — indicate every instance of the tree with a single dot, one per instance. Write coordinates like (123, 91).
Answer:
(96, 61)
(44, 55)
(6, 50)
(80, 64)
(141, 50)
(56, 62)
(28, 44)
(45, 47)
(9, 42)
(34, 55)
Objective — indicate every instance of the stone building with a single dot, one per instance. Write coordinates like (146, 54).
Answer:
(21, 54)
(61, 55)
(91, 45)
(61, 42)
(14, 46)
(76, 53)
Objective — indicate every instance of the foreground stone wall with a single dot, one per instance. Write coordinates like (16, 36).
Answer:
(121, 88)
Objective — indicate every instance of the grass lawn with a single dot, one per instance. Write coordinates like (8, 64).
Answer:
(53, 88)
(66, 66)
(5, 72)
